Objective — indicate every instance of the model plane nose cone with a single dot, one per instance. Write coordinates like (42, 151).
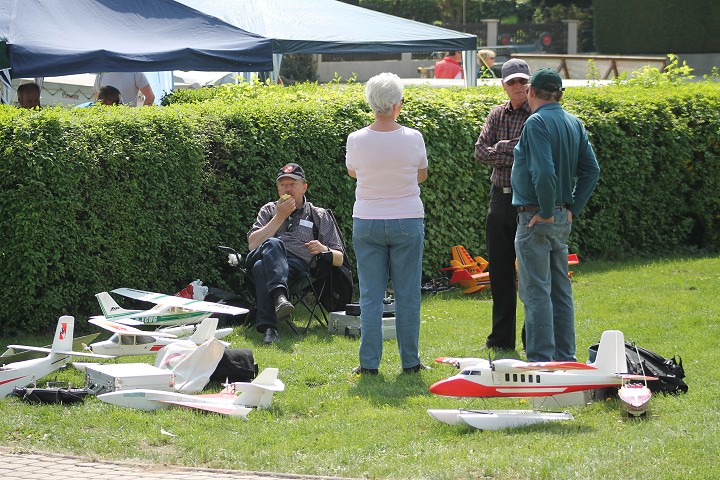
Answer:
(456, 387)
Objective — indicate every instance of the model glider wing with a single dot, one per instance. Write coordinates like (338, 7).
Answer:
(61, 352)
(230, 410)
(628, 376)
(12, 355)
(181, 302)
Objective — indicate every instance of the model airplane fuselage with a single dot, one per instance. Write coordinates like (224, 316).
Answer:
(237, 399)
(170, 310)
(514, 378)
(127, 340)
(21, 374)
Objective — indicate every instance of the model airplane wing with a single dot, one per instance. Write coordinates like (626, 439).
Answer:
(553, 366)
(122, 329)
(175, 301)
(123, 321)
(227, 409)
(60, 352)
(12, 355)
(629, 376)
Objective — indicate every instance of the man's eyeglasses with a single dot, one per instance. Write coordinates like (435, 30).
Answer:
(513, 81)
(290, 225)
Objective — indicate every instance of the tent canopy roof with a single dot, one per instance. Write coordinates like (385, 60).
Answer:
(52, 38)
(328, 26)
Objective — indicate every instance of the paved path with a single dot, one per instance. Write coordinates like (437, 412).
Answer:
(49, 466)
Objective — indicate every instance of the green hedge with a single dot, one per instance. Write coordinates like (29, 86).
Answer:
(656, 26)
(94, 199)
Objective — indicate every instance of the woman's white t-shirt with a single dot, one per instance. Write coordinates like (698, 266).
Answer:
(386, 165)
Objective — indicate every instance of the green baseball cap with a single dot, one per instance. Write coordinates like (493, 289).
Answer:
(547, 79)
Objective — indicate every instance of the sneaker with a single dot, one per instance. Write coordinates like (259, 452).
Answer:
(417, 368)
(283, 307)
(365, 371)
(271, 336)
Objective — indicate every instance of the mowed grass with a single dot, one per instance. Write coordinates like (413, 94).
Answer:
(331, 422)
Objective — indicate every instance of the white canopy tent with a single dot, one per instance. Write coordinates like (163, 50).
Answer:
(329, 26)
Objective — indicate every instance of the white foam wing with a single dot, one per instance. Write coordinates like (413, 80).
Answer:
(174, 301)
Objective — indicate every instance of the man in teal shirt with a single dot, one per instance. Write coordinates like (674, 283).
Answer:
(553, 175)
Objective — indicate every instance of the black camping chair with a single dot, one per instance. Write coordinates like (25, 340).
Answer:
(306, 290)
(319, 291)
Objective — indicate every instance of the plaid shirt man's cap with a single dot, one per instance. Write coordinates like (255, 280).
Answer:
(515, 68)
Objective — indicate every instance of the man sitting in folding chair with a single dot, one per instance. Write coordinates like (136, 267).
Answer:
(282, 242)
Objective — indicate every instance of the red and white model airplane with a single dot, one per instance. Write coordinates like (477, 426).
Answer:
(514, 378)
(237, 399)
(127, 340)
(22, 374)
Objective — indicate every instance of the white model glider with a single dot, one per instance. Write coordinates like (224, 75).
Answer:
(237, 399)
(22, 374)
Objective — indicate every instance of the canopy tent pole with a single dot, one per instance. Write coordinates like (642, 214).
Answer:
(470, 67)
(5, 87)
(277, 63)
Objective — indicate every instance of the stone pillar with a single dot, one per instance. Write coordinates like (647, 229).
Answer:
(572, 36)
(492, 31)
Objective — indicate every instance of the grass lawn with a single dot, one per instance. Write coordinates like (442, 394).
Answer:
(331, 422)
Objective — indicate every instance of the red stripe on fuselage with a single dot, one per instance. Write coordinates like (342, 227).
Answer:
(459, 387)
(12, 379)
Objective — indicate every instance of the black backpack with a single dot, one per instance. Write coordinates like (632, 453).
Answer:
(641, 361)
(236, 365)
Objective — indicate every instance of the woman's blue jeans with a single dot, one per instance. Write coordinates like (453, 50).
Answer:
(544, 287)
(389, 249)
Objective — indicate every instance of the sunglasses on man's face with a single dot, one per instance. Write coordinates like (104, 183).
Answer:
(513, 81)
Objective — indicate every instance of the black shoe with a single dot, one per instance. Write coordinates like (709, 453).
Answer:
(417, 368)
(271, 336)
(365, 371)
(283, 307)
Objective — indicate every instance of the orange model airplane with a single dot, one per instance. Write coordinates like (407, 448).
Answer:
(469, 272)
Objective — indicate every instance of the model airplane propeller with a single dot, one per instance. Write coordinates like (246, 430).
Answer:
(237, 399)
(22, 374)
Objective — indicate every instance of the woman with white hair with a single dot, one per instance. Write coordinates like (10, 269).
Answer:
(389, 162)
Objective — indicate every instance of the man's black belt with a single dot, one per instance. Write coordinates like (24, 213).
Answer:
(535, 208)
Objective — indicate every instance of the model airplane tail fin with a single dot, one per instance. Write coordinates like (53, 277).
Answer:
(205, 331)
(259, 392)
(109, 307)
(611, 353)
(63, 340)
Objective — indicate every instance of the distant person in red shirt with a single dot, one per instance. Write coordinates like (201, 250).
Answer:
(449, 67)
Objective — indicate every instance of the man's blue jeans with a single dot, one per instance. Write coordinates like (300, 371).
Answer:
(545, 288)
(394, 249)
(272, 267)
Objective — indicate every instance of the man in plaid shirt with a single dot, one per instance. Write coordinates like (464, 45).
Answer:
(495, 147)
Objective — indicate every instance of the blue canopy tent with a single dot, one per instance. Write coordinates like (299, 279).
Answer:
(52, 37)
(328, 26)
